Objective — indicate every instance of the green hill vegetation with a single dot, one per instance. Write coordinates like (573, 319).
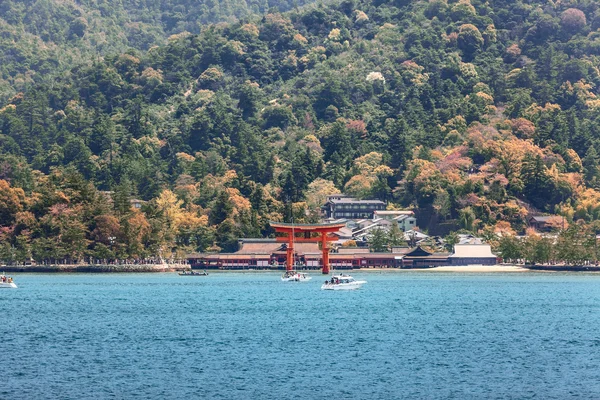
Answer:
(475, 113)
(42, 38)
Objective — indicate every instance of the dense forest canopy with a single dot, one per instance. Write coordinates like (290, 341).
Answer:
(473, 113)
(41, 38)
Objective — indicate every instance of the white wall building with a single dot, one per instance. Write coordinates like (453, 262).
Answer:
(404, 218)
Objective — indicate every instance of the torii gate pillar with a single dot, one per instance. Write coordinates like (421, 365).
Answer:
(306, 229)
(325, 254)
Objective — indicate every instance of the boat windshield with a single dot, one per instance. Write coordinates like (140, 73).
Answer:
(340, 279)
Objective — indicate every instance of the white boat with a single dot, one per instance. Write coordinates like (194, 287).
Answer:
(6, 282)
(342, 282)
(193, 273)
(295, 276)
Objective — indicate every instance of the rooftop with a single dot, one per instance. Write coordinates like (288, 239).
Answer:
(337, 225)
(236, 256)
(354, 201)
(340, 196)
(258, 247)
(379, 223)
(352, 250)
(412, 234)
(344, 232)
(257, 240)
(394, 212)
(473, 250)
(545, 218)
(302, 248)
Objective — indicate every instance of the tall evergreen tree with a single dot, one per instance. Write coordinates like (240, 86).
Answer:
(221, 209)
(590, 167)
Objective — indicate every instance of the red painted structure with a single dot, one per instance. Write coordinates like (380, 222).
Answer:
(306, 230)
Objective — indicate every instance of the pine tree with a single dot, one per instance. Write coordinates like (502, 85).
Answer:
(290, 190)
(227, 236)
(378, 241)
(122, 196)
(537, 185)
(398, 143)
(590, 166)
(395, 236)
(221, 209)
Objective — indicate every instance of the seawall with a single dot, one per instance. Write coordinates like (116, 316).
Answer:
(94, 268)
(564, 268)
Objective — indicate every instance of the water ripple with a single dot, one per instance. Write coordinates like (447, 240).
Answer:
(249, 336)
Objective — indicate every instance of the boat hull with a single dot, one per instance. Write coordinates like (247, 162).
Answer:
(296, 279)
(8, 285)
(343, 286)
(295, 276)
(193, 274)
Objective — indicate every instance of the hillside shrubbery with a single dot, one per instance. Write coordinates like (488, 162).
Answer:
(473, 112)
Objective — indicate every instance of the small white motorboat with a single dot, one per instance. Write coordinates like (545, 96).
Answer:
(193, 273)
(295, 276)
(342, 282)
(7, 282)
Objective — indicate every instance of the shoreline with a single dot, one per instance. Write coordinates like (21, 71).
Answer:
(91, 268)
(157, 268)
(481, 268)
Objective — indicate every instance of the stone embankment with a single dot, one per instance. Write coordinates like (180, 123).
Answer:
(95, 268)
(564, 268)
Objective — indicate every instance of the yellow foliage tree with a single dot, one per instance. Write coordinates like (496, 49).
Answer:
(239, 202)
(316, 195)
(503, 228)
(11, 202)
(171, 216)
(359, 186)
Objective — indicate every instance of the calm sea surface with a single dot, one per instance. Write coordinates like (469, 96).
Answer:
(411, 335)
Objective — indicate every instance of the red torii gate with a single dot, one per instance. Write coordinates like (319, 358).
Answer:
(306, 229)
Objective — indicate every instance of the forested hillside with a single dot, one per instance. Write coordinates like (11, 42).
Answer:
(472, 112)
(43, 37)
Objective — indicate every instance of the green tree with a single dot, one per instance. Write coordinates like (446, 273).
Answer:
(467, 218)
(469, 39)
(395, 237)
(590, 167)
(227, 235)
(122, 196)
(451, 239)
(399, 142)
(537, 250)
(576, 245)
(535, 179)
(510, 248)
(221, 209)
(378, 241)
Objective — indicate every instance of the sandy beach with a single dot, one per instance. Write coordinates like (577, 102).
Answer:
(479, 268)
(456, 268)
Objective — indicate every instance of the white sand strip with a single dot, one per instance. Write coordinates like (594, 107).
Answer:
(478, 268)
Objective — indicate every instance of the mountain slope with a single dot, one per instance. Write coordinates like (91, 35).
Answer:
(469, 111)
(42, 37)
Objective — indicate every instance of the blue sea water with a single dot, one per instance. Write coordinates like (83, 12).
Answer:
(417, 335)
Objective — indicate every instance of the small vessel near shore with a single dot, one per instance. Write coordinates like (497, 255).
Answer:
(292, 275)
(295, 276)
(342, 282)
(7, 282)
(193, 273)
